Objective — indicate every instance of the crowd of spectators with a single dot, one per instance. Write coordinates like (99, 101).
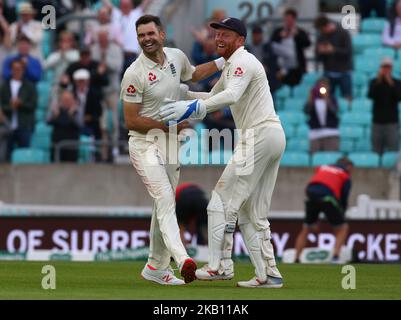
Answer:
(86, 72)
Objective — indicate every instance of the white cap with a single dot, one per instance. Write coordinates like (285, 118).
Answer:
(81, 74)
(386, 61)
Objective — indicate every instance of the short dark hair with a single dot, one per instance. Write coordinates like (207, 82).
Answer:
(321, 22)
(148, 18)
(344, 162)
(291, 12)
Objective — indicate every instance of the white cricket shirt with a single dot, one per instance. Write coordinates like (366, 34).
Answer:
(148, 83)
(244, 87)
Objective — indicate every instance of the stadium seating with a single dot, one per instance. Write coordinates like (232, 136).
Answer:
(293, 118)
(356, 118)
(363, 145)
(295, 159)
(302, 131)
(301, 91)
(365, 159)
(310, 78)
(327, 157)
(379, 53)
(295, 144)
(294, 104)
(362, 41)
(346, 145)
(389, 159)
(351, 132)
(362, 105)
(28, 156)
(372, 25)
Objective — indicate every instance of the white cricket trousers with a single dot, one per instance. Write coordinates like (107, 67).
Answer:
(243, 194)
(151, 160)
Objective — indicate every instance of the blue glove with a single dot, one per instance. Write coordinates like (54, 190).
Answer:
(179, 111)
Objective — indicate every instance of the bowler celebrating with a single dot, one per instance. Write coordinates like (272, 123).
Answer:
(154, 77)
(245, 188)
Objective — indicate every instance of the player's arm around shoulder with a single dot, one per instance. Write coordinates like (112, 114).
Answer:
(200, 72)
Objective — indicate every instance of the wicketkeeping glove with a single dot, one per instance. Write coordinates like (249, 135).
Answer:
(176, 112)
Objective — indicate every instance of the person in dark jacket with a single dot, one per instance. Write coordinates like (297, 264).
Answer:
(18, 98)
(264, 52)
(289, 43)
(385, 91)
(64, 119)
(327, 192)
(322, 109)
(334, 50)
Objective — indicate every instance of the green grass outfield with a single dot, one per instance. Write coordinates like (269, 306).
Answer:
(121, 280)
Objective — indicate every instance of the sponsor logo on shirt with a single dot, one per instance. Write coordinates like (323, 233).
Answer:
(152, 78)
(238, 72)
(131, 90)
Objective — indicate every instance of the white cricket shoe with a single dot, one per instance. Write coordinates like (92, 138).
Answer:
(271, 282)
(205, 273)
(187, 270)
(165, 277)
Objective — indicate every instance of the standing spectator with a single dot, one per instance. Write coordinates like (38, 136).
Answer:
(126, 17)
(110, 54)
(202, 53)
(59, 60)
(327, 192)
(323, 122)
(367, 6)
(30, 28)
(89, 99)
(5, 131)
(289, 43)
(98, 74)
(18, 99)
(104, 21)
(264, 52)
(334, 49)
(33, 67)
(64, 119)
(385, 91)
(5, 39)
(392, 30)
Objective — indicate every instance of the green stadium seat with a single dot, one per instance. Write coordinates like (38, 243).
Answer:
(295, 144)
(379, 53)
(351, 132)
(363, 145)
(43, 128)
(40, 115)
(359, 79)
(289, 130)
(326, 157)
(283, 93)
(373, 25)
(389, 159)
(302, 131)
(365, 159)
(86, 149)
(301, 92)
(362, 105)
(310, 78)
(347, 145)
(367, 65)
(343, 105)
(294, 104)
(293, 118)
(28, 156)
(295, 159)
(362, 41)
(356, 118)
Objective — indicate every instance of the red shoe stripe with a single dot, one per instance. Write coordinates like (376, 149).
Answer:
(151, 268)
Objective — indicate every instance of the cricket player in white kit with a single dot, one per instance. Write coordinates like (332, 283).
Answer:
(245, 188)
(154, 77)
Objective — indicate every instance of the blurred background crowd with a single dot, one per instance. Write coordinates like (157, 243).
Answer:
(336, 90)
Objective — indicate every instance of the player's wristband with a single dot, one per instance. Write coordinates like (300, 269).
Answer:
(220, 63)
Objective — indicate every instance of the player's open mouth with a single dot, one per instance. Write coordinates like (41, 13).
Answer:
(148, 45)
(221, 46)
